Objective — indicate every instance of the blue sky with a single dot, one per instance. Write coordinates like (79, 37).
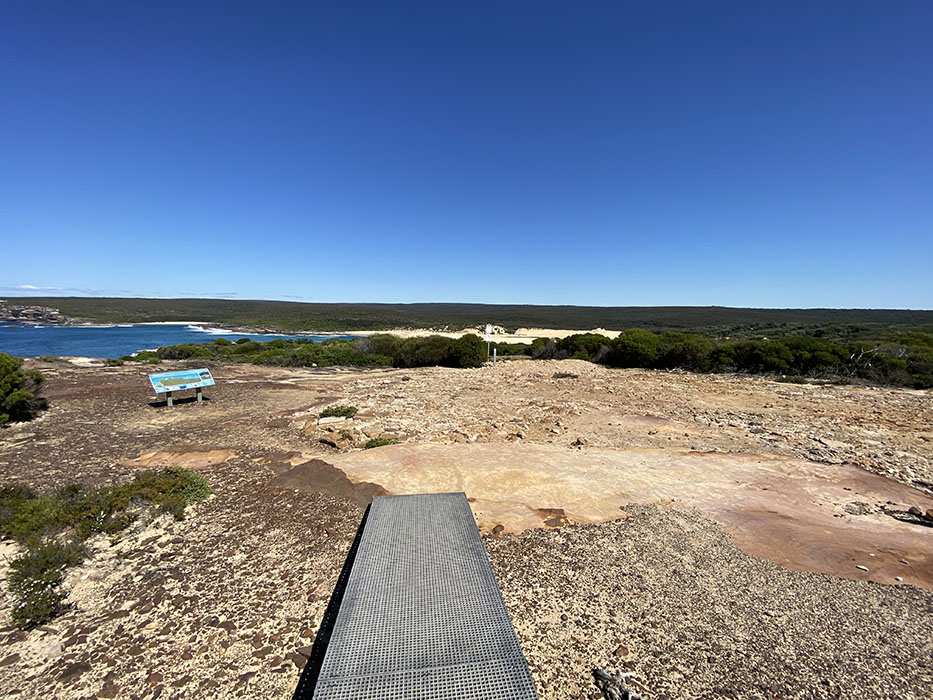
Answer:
(733, 153)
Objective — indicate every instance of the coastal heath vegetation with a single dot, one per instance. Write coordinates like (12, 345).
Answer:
(904, 360)
(52, 529)
(897, 360)
(19, 390)
(382, 350)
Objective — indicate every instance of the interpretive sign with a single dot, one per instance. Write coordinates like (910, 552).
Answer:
(167, 382)
(184, 379)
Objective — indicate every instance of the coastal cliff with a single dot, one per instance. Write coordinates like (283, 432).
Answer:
(29, 315)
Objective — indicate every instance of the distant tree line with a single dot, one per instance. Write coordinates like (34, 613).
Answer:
(715, 321)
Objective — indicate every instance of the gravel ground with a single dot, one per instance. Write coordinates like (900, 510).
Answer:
(664, 594)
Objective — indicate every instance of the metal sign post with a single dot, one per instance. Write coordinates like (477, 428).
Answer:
(488, 337)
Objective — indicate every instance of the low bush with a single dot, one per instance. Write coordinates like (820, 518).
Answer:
(42, 522)
(791, 379)
(339, 411)
(144, 356)
(19, 390)
(35, 580)
(380, 442)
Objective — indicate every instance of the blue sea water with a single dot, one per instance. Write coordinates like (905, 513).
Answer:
(114, 341)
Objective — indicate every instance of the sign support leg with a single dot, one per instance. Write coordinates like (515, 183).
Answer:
(169, 400)
(199, 394)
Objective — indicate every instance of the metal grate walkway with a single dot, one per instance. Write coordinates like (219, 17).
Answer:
(422, 616)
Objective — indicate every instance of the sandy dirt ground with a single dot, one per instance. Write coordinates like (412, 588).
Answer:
(703, 532)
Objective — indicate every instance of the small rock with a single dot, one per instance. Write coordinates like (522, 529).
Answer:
(862, 567)
(914, 510)
(245, 678)
(622, 651)
(110, 690)
(154, 678)
(296, 659)
(73, 671)
(898, 579)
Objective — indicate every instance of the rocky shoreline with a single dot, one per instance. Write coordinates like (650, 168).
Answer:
(20, 314)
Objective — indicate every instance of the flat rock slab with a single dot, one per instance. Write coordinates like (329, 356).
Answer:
(190, 459)
(794, 512)
(422, 616)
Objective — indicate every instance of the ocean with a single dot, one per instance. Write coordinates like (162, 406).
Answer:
(117, 340)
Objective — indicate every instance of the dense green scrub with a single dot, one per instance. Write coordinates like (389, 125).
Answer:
(19, 399)
(904, 360)
(54, 526)
(374, 351)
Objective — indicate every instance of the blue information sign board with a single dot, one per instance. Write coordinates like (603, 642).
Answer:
(164, 382)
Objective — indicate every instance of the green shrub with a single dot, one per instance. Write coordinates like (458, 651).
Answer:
(19, 399)
(25, 515)
(112, 362)
(339, 411)
(185, 351)
(379, 442)
(40, 521)
(144, 356)
(170, 490)
(35, 580)
(467, 351)
(635, 348)
(791, 379)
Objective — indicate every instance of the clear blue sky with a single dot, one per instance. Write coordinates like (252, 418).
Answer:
(733, 153)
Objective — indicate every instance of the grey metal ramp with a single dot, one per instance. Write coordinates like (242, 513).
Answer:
(422, 616)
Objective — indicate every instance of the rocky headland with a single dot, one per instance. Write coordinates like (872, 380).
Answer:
(720, 537)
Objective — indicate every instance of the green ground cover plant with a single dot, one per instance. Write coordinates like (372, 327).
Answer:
(379, 442)
(53, 527)
(338, 412)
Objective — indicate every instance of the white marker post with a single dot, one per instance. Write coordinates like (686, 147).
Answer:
(488, 337)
